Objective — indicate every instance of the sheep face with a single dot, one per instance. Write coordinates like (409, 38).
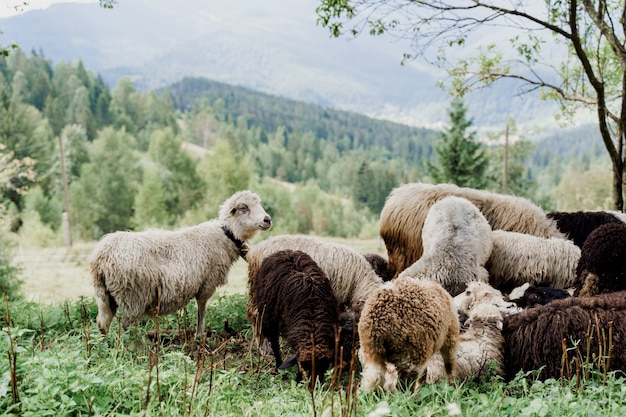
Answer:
(244, 216)
(478, 292)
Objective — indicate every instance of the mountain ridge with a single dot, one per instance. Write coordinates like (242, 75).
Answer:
(261, 45)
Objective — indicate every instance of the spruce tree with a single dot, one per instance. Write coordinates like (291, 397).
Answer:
(461, 159)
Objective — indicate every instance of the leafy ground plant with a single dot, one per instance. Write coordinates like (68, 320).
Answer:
(60, 365)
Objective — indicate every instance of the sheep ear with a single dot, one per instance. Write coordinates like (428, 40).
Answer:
(288, 362)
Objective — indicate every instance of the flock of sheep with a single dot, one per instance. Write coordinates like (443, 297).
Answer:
(472, 279)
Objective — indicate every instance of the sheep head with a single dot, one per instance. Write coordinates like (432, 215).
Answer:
(243, 215)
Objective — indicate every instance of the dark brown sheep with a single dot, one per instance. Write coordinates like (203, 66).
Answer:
(536, 337)
(578, 225)
(379, 265)
(296, 301)
(602, 265)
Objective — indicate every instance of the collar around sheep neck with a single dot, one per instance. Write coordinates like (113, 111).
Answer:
(241, 245)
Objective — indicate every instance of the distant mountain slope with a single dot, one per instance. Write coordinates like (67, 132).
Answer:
(272, 112)
(267, 45)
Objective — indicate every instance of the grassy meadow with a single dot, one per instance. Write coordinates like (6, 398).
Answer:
(57, 363)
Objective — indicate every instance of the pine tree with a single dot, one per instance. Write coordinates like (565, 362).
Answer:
(461, 160)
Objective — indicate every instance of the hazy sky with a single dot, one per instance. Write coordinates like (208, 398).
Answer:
(13, 7)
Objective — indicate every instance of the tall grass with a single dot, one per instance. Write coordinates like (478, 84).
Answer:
(59, 364)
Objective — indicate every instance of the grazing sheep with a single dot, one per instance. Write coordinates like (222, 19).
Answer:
(351, 276)
(479, 346)
(579, 224)
(602, 266)
(404, 323)
(405, 209)
(160, 271)
(457, 243)
(295, 300)
(518, 258)
(379, 265)
(585, 328)
(528, 295)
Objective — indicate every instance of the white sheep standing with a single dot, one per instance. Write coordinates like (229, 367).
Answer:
(518, 258)
(351, 275)
(157, 272)
(457, 243)
(404, 323)
(479, 346)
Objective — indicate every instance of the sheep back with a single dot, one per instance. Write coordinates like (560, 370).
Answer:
(518, 258)
(457, 242)
(405, 209)
(404, 323)
(579, 224)
(536, 337)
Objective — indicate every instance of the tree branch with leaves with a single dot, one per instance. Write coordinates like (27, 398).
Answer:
(573, 52)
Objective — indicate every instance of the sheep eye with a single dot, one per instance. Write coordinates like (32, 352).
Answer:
(468, 293)
(242, 209)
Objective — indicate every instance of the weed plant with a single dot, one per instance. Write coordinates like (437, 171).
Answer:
(59, 364)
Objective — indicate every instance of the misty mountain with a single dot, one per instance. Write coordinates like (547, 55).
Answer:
(270, 46)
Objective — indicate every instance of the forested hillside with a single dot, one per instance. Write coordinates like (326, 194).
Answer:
(128, 166)
(347, 131)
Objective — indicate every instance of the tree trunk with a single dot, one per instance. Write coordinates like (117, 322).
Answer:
(618, 178)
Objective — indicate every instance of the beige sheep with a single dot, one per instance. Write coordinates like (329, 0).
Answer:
(518, 258)
(457, 243)
(404, 323)
(157, 272)
(482, 293)
(404, 212)
(479, 346)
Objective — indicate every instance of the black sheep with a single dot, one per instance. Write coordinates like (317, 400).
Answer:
(578, 225)
(537, 337)
(529, 295)
(602, 264)
(296, 301)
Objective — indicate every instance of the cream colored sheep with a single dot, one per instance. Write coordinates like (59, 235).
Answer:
(480, 346)
(351, 275)
(482, 293)
(457, 243)
(405, 209)
(160, 271)
(518, 258)
(404, 323)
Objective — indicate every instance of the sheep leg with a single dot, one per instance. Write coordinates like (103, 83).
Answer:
(448, 352)
(273, 338)
(201, 302)
(373, 374)
(105, 315)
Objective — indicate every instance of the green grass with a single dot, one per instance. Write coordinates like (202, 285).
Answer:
(58, 364)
